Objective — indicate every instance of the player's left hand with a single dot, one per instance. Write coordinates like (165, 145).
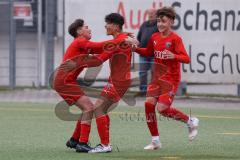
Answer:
(167, 54)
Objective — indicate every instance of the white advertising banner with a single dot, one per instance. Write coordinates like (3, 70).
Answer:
(210, 30)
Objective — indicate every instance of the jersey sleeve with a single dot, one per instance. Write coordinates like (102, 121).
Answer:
(88, 61)
(105, 56)
(149, 51)
(93, 60)
(100, 45)
(181, 54)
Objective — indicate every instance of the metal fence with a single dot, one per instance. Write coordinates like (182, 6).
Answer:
(27, 33)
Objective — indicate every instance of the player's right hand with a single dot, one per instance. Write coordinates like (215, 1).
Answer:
(69, 65)
(133, 42)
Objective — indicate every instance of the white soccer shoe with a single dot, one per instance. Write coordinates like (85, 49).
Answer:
(154, 145)
(101, 149)
(192, 128)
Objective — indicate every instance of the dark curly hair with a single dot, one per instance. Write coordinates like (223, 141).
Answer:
(115, 18)
(72, 29)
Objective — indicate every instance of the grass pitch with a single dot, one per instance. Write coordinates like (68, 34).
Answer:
(31, 131)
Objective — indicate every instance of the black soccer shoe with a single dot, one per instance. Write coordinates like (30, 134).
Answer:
(83, 147)
(72, 143)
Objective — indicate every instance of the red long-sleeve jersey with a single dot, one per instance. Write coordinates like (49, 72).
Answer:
(79, 50)
(156, 46)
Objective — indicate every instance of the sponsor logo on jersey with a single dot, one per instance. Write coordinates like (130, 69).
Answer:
(159, 54)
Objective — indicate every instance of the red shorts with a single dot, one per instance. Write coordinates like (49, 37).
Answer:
(162, 90)
(167, 98)
(115, 91)
(158, 88)
(69, 90)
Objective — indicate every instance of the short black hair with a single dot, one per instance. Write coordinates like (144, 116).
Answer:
(72, 29)
(166, 11)
(115, 18)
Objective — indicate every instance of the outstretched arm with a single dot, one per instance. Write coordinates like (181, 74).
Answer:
(149, 51)
(142, 51)
(83, 61)
(103, 44)
(95, 60)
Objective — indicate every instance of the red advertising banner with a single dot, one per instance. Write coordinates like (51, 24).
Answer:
(22, 11)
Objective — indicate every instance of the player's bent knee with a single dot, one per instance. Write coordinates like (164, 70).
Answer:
(161, 107)
(151, 100)
(85, 103)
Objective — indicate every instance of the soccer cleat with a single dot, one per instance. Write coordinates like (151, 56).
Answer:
(153, 145)
(101, 149)
(192, 128)
(83, 147)
(72, 143)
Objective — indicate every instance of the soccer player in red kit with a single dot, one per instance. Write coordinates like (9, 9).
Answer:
(65, 77)
(118, 83)
(168, 49)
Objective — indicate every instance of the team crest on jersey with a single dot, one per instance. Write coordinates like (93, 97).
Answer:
(168, 44)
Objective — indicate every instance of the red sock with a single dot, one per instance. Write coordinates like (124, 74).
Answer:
(108, 119)
(108, 124)
(85, 131)
(151, 119)
(103, 128)
(175, 114)
(77, 130)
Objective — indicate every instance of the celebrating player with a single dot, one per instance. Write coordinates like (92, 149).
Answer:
(64, 82)
(168, 49)
(118, 83)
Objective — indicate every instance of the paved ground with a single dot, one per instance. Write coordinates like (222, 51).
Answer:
(50, 96)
